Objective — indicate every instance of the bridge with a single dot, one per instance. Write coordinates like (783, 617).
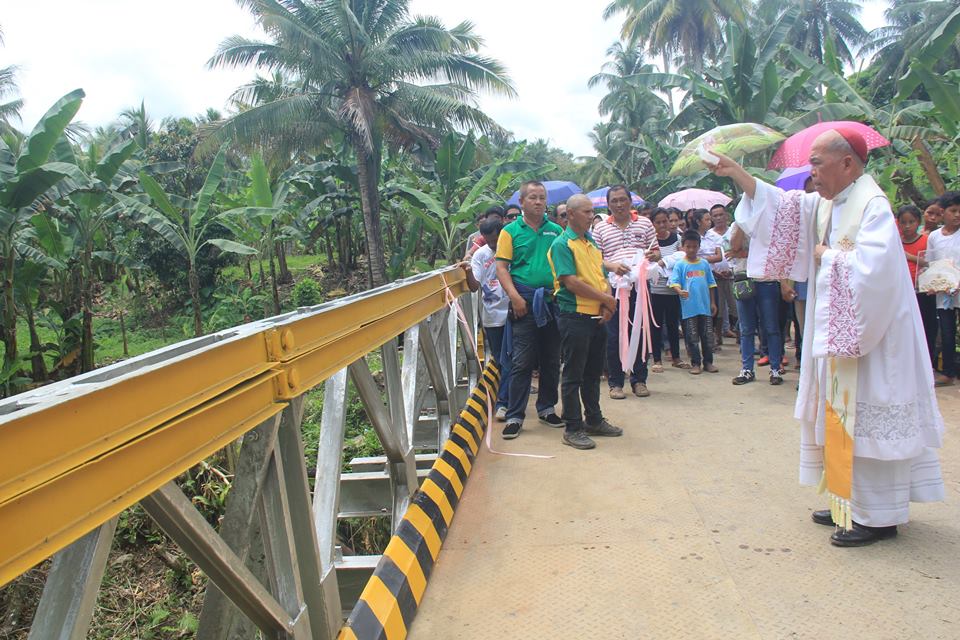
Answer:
(691, 524)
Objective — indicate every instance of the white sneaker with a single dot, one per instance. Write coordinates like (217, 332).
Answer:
(501, 414)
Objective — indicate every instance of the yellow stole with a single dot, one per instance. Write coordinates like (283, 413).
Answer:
(841, 400)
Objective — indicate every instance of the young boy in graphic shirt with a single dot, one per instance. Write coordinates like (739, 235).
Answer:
(693, 279)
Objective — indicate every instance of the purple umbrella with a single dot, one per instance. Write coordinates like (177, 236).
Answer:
(599, 198)
(793, 178)
(557, 191)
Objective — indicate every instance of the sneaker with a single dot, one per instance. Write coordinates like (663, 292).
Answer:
(552, 420)
(578, 440)
(764, 360)
(617, 393)
(746, 375)
(695, 370)
(603, 429)
(776, 377)
(501, 414)
(711, 368)
(640, 390)
(512, 430)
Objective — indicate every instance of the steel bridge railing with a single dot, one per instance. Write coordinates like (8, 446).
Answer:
(74, 454)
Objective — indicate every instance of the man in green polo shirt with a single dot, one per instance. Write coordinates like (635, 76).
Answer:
(525, 276)
(585, 303)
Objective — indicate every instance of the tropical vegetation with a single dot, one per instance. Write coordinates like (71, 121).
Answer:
(359, 155)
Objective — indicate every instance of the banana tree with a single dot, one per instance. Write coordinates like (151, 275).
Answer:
(263, 213)
(746, 85)
(185, 224)
(460, 192)
(88, 212)
(27, 180)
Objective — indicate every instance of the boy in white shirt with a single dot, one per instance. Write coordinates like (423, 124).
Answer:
(944, 243)
(482, 276)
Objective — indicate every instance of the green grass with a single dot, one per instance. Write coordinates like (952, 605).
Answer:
(296, 264)
(109, 339)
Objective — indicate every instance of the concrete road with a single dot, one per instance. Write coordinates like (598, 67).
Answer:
(691, 525)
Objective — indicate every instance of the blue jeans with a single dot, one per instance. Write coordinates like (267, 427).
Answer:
(766, 301)
(533, 346)
(495, 344)
(614, 366)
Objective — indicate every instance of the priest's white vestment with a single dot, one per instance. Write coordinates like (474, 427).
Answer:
(860, 304)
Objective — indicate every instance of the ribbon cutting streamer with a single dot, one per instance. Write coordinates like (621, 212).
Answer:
(454, 304)
(642, 321)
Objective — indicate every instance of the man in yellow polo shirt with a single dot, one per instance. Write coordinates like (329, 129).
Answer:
(585, 304)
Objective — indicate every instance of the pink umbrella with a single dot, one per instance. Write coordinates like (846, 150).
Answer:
(795, 150)
(695, 199)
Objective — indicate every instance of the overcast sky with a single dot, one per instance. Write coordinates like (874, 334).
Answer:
(124, 51)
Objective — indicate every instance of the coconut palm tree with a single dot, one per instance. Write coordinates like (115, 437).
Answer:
(910, 24)
(692, 29)
(820, 24)
(10, 104)
(366, 70)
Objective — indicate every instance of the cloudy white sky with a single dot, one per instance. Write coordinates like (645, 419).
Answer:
(124, 51)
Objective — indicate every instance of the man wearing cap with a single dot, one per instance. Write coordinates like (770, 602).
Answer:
(870, 425)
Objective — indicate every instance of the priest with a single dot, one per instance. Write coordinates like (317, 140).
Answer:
(870, 425)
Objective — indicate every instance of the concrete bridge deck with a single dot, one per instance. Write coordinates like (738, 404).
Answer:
(692, 525)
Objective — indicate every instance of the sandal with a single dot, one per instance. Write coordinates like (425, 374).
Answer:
(657, 368)
(681, 365)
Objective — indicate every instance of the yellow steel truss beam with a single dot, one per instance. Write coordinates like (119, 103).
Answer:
(70, 464)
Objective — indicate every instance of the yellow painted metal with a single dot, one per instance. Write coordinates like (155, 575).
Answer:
(37, 445)
(68, 467)
(38, 523)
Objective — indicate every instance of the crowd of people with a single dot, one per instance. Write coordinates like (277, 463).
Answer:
(692, 293)
(554, 283)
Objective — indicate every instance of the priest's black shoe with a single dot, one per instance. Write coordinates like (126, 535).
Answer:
(861, 535)
(823, 517)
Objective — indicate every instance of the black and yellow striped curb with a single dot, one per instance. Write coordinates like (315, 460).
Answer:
(389, 602)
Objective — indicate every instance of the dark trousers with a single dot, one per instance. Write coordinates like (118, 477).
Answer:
(948, 340)
(495, 342)
(533, 345)
(698, 332)
(928, 314)
(581, 342)
(666, 312)
(614, 366)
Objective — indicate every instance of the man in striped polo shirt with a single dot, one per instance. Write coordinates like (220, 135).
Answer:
(585, 303)
(525, 276)
(620, 237)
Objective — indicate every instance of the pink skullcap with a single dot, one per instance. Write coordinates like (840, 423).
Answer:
(856, 142)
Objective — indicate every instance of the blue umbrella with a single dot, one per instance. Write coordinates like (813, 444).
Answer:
(557, 192)
(793, 178)
(599, 198)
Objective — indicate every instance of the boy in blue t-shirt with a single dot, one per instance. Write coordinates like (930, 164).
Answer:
(693, 280)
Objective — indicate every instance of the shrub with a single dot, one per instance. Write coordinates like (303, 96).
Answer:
(307, 293)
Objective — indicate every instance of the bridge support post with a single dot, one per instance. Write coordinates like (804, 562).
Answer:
(326, 492)
(70, 593)
(218, 619)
